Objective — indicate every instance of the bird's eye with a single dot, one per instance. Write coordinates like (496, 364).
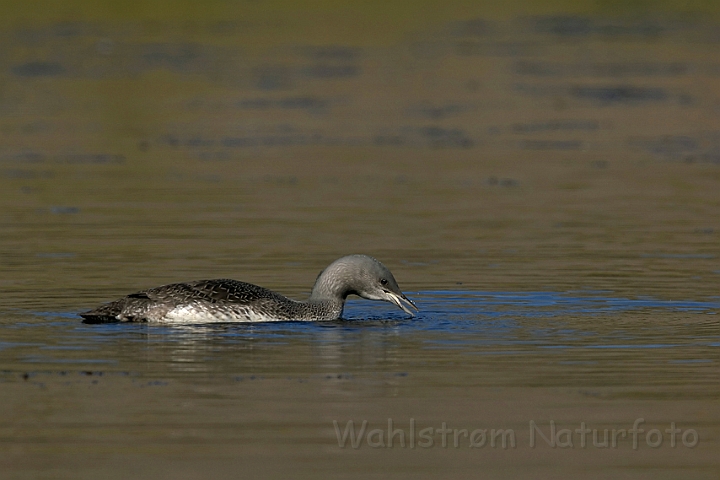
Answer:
(383, 281)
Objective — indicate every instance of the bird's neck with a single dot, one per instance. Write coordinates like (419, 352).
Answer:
(322, 308)
(333, 284)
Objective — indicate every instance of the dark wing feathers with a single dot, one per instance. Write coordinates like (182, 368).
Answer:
(230, 291)
(139, 295)
(218, 291)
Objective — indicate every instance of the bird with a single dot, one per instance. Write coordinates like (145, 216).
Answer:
(226, 300)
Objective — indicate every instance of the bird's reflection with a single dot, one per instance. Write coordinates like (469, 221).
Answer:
(333, 352)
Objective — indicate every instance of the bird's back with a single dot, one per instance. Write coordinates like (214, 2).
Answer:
(221, 298)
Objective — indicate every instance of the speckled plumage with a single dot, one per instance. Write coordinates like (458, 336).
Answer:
(225, 300)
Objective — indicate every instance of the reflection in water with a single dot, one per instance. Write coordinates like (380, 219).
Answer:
(565, 328)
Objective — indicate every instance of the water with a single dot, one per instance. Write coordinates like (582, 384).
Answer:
(573, 325)
(545, 188)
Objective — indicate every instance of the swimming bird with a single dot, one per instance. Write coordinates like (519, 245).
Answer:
(224, 300)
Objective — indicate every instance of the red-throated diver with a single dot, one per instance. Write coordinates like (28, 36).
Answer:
(222, 300)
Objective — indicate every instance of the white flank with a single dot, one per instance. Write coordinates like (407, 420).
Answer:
(195, 314)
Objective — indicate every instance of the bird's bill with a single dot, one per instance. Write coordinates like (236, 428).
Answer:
(403, 302)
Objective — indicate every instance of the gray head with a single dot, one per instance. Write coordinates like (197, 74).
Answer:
(360, 275)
